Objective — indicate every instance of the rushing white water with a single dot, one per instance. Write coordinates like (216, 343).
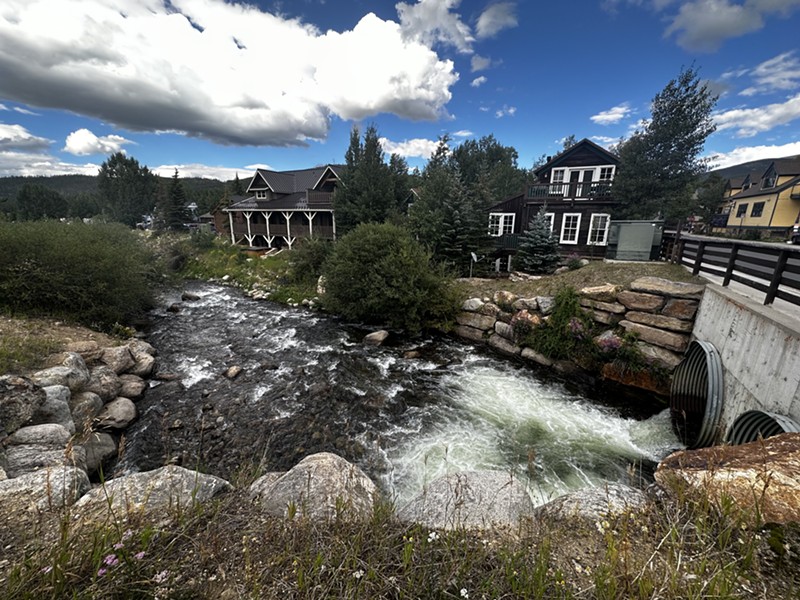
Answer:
(309, 385)
(502, 420)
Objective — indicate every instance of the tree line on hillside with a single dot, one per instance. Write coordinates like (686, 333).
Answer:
(104, 196)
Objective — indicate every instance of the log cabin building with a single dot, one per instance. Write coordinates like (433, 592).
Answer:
(574, 188)
(281, 207)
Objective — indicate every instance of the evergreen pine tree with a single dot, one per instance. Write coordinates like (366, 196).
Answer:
(538, 247)
(171, 209)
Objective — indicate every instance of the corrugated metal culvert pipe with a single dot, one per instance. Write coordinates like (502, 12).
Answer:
(695, 399)
(751, 425)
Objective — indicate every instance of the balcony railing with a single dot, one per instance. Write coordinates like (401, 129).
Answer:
(571, 190)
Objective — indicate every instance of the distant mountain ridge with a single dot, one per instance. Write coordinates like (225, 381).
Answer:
(69, 185)
(754, 166)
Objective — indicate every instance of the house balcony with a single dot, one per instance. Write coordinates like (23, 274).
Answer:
(575, 190)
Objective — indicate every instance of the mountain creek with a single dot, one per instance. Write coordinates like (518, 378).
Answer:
(406, 412)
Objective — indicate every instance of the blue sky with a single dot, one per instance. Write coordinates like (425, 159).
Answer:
(214, 88)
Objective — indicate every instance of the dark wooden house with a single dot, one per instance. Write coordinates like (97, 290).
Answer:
(281, 207)
(575, 191)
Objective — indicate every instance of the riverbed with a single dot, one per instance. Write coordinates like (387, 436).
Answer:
(406, 412)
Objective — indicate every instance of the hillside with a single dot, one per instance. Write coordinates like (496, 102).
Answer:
(69, 185)
(754, 166)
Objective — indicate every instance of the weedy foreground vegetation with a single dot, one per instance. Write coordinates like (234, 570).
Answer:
(677, 546)
(682, 547)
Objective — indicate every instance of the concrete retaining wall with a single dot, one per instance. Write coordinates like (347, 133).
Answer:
(760, 352)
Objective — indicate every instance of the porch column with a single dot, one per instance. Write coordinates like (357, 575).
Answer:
(333, 220)
(247, 216)
(230, 220)
(310, 216)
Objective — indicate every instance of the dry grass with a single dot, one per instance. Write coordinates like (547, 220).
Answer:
(25, 342)
(595, 273)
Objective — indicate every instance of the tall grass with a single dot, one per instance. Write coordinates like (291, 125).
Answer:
(675, 549)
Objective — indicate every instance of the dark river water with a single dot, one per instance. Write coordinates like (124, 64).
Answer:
(309, 385)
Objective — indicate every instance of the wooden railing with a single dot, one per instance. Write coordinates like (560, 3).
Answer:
(591, 189)
(773, 269)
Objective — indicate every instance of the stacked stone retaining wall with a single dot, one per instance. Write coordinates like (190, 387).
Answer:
(660, 313)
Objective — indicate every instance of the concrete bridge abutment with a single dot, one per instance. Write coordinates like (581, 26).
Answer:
(759, 348)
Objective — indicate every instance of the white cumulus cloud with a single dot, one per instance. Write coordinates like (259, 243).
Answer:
(209, 68)
(462, 133)
(432, 21)
(780, 73)
(416, 148)
(206, 171)
(83, 142)
(495, 19)
(612, 115)
(506, 111)
(478, 81)
(751, 121)
(479, 63)
(745, 154)
(16, 137)
(703, 25)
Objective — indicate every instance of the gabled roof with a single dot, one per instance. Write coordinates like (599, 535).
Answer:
(563, 157)
(757, 190)
(294, 201)
(289, 182)
(784, 166)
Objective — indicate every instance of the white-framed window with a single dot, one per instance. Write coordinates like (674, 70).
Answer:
(261, 194)
(501, 224)
(570, 228)
(552, 218)
(598, 229)
(606, 173)
(557, 181)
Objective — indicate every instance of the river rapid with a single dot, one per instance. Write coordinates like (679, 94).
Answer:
(309, 385)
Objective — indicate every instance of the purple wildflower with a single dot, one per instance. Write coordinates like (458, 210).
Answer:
(111, 560)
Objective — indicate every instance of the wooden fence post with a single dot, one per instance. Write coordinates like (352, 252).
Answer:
(777, 275)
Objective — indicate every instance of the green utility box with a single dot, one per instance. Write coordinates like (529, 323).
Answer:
(634, 240)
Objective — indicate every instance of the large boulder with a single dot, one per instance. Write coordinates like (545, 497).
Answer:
(143, 355)
(118, 358)
(592, 504)
(85, 406)
(41, 491)
(470, 499)
(26, 458)
(318, 487)
(71, 372)
(55, 408)
(158, 496)
(20, 398)
(131, 386)
(761, 478)
(117, 414)
(665, 287)
(49, 434)
(99, 447)
(104, 382)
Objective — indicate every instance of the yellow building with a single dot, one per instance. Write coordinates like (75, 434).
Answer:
(771, 205)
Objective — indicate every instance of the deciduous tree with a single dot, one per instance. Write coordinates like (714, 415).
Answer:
(660, 164)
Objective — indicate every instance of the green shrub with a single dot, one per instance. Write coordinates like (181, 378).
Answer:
(567, 333)
(307, 258)
(379, 274)
(98, 275)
